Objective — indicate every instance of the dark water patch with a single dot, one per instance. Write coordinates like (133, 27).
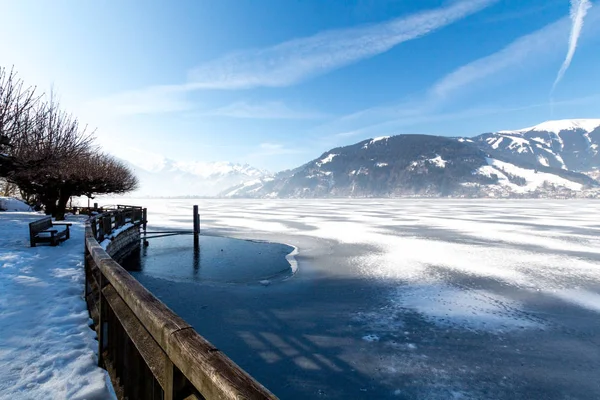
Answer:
(215, 260)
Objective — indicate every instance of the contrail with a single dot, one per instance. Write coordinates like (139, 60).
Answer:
(579, 9)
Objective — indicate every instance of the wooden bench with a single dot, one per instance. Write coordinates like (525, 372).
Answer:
(41, 232)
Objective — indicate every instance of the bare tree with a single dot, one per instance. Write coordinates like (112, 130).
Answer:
(110, 176)
(48, 155)
(93, 174)
(16, 103)
(8, 189)
(52, 142)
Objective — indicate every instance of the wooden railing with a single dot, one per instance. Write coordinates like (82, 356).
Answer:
(95, 210)
(104, 224)
(148, 350)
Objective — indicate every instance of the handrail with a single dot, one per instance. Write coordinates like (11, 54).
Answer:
(120, 206)
(148, 350)
(104, 224)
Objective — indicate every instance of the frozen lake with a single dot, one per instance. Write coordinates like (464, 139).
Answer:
(215, 260)
(416, 299)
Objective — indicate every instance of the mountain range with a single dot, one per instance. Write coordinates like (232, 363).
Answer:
(565, 144)
(552, 159)
(169, 178)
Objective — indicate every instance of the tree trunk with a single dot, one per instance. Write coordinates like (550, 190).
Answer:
(49, 200)
(61, 207)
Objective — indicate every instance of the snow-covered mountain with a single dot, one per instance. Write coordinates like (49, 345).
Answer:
(164, 177)
(594, 174)
(566, 144)
(420, 165)
(555, 158)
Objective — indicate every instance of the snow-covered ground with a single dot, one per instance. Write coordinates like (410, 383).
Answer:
(417, 298)
(47, 349)
(12, 204)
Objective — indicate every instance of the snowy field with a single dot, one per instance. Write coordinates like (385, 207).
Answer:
(407, 298)
(47, 350)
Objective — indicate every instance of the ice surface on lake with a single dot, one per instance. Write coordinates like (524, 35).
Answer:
(434, 250)
(430, 298)
(473, 309)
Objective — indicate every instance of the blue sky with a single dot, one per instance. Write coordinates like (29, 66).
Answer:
(276, 83)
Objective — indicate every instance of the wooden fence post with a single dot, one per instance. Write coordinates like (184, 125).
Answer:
(102, 320)
(107, 225)
(86, 270)
(176, 383)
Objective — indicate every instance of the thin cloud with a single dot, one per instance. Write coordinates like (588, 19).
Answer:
(532, 47)
(151, 100)
(268, 110)
(269, 149)
(579, 9)
(529, 50)
(289, 62)
(347, 134)
(412, 125)
(527, 47)
(294, 61)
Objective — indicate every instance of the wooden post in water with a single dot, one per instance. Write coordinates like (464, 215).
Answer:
(196, 221)
(144, 223)
(196, 240)
(144, 218)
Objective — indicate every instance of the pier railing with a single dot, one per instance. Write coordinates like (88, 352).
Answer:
(148, 350)
(104, 224)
